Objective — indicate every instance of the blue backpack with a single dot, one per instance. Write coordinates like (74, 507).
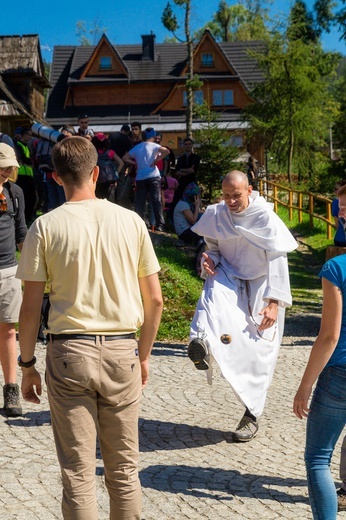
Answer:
(108, 171)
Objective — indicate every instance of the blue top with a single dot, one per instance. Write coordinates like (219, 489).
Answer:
(335, 271)
(340, 235)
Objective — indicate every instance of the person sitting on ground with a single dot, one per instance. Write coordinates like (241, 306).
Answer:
(186, 213)
(108, 162)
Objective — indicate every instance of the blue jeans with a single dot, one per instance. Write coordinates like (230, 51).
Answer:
(326, 421)
(151, 186)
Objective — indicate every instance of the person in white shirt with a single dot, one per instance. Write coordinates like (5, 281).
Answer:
(240, 316)
(145, 157)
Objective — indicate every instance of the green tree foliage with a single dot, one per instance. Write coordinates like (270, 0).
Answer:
(243, 21)
(216, 153)
(330, 14)
(294, 106)
(302, 25)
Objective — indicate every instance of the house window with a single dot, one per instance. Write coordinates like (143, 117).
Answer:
(237, 140)
(207, 60)
(197, 97)
(105, 63)
(223, 98)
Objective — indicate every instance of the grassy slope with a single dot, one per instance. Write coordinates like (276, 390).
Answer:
(181, 286)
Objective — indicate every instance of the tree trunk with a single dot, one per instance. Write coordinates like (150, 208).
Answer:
(290, 156)
(189, 90)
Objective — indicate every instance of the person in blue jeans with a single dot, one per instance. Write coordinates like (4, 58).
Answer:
(326, 415)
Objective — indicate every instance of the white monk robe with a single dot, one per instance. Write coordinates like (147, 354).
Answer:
(249, 251)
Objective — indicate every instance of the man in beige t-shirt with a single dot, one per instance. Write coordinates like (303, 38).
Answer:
(99, 261)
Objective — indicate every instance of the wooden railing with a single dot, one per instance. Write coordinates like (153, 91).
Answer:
(300, 201)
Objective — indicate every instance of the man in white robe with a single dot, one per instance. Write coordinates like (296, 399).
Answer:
(239, 317)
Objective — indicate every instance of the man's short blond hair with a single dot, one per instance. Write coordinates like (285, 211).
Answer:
(74, 159)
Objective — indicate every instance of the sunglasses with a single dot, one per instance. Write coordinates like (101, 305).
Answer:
(3, 204)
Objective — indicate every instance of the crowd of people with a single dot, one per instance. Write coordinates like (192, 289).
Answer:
(95, 366)
(136, 172)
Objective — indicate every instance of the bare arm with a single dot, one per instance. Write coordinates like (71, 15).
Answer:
(193, 217)
(152, 303)
(323, 347)
(29, 319)
(118, 162)
(162, 152)
(128, 159)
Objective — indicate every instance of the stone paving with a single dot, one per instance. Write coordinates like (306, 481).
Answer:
(190, 469)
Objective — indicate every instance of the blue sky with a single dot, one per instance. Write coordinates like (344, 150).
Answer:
(55, 22)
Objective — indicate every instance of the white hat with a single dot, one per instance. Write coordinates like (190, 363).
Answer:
(7, 156)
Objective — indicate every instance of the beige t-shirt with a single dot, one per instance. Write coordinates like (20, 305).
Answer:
(92, 252)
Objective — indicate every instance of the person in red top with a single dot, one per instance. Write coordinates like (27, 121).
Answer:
(106, 158)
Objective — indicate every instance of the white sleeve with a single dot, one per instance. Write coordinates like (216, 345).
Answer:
(278, 281)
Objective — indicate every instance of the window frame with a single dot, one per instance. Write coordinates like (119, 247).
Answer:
(108, 66)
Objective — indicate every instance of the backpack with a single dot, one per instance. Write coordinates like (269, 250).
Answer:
(44, 155)
(108, 170)
(14, 199)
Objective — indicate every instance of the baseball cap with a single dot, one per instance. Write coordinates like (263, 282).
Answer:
(7, 156)
(149, 133)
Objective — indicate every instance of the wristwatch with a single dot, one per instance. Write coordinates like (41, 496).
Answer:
(28, 364)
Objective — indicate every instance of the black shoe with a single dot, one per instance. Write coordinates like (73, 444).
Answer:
(11, 400)
(197, 352)
(341, 499)
(246, 430)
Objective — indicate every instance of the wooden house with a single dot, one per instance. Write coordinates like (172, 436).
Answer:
(117, 84)
(22, 82)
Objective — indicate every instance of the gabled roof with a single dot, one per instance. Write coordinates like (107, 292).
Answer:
(104, 42)
(71, 64)
(22, 54)
(239, 54)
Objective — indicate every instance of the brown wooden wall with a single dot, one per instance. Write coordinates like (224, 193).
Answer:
(125, 94)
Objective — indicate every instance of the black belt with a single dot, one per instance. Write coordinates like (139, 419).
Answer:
(92, 337)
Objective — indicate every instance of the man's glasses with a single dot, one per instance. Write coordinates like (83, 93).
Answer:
(3, 204)
(8, 169)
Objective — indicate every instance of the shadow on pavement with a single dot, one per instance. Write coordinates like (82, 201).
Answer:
(30, 419)
(159, 435)
(207, 482)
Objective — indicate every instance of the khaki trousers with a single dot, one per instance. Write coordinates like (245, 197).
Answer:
(94, 389)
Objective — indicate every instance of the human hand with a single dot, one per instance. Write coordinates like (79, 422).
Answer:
(31, 379)
(270, 314)
(208, 264)
(145, 373)
(300, 402)
(197, 200)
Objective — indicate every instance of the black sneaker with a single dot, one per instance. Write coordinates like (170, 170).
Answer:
(197, 352)
(341, 499)
(11, 400)
(246, 430)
